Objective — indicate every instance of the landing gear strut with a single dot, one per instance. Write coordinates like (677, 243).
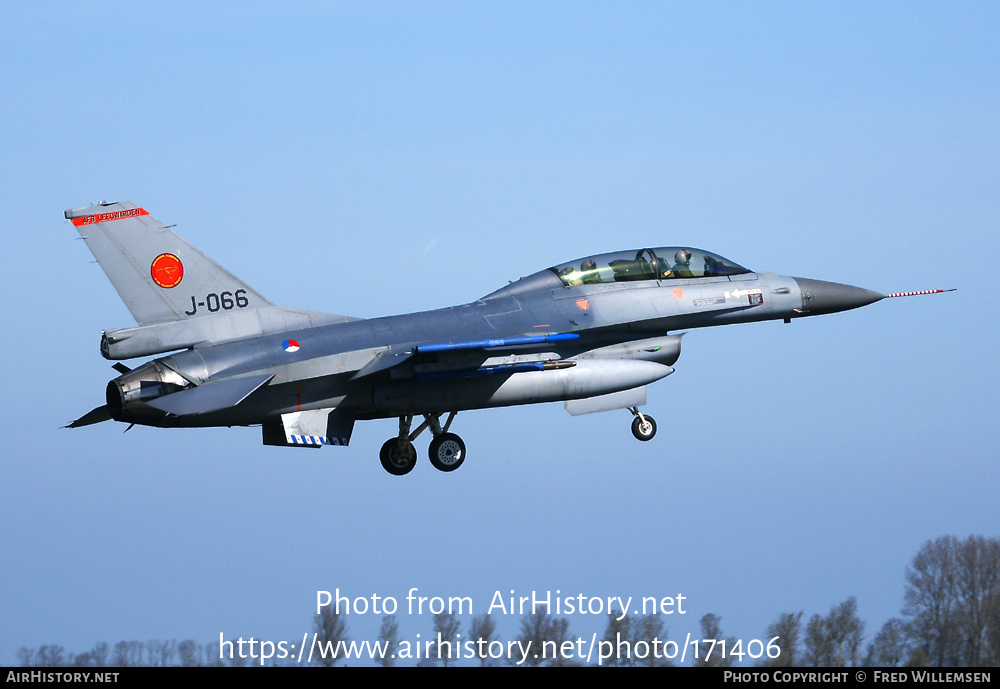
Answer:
(643, 425)
(447, 450)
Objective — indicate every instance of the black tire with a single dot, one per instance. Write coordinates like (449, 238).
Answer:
(447, 452)
(397, 462)
(643, 431)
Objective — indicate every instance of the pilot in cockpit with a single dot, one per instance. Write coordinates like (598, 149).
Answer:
(587, 274)
(682, 265)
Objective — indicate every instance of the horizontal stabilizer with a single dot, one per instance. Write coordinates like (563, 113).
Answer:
(210, 396)
(101, 413)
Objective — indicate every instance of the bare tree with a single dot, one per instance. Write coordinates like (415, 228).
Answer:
(99, 654)
(483, 632)
(330, 630)
(819, 650)
(835, 640)
(788, 628)
(635, 642)
(977, 584)
(558, 643)
(992, 658)
(211, 654)
(50, 655)
(930, 599)
(187, 650)
(25, 656)
(718, 655)
(847, 630)
(446, 627)
(618, 633)
(650, 630)
(890, 647)
(235, 659)
(160, 653)
(543, 636)
(952, 601)
(127, 654)
(388, 638)
(535, 629)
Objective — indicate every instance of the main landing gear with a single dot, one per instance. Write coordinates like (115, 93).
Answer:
(447, 450)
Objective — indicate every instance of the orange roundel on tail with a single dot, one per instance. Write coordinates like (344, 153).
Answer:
(167, 271)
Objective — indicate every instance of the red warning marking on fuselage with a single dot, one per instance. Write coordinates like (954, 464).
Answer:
(108, 217)
(583, 304)
(167, 271)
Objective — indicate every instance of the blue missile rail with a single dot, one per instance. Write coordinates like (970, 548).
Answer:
(500, 342)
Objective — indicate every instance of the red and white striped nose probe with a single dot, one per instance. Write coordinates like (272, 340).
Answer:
(923, 291)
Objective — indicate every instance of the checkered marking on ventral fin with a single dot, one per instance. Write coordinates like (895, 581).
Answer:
(309, 440)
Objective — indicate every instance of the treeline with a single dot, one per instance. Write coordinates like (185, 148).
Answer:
(950, 618)
(154, 653)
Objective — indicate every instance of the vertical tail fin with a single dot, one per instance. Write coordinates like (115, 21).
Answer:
(159, 276)
(178, 295)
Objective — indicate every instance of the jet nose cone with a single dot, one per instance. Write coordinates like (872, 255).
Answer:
(819, 296)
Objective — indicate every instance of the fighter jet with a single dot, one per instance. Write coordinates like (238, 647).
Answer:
(591, 333)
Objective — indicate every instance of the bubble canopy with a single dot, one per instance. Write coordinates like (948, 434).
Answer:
(663, 263)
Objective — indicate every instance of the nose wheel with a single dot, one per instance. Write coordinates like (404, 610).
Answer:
(643, 425)
(446, 452)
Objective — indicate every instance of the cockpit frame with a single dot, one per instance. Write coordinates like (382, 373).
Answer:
(646, 264)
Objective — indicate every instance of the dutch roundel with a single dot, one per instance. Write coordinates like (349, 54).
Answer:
(167, 271)
(290, 345)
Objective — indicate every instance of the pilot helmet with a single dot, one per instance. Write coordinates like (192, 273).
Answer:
(683, 257)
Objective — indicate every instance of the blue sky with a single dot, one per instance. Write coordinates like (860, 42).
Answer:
(379, 158)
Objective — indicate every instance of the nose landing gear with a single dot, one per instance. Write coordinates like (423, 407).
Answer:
(643, 425)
